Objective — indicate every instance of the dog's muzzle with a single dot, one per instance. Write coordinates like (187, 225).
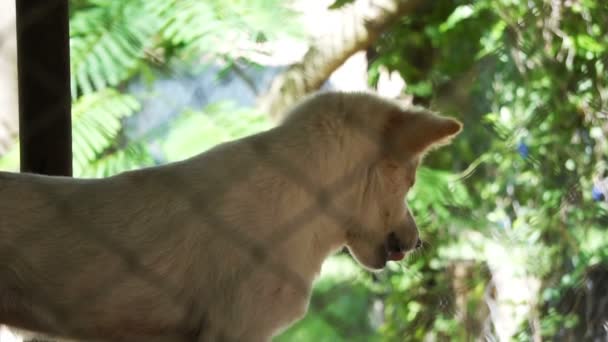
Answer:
(395, 248)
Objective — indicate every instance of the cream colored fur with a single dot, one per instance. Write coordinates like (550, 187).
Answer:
(223, 246)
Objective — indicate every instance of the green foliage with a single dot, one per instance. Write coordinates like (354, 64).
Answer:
(340, 308)
(516, 72)
(340, 3)
(113, 42)
(10, 160)
(195, 131)
(97, 121)
(108, 40)
(212, 27)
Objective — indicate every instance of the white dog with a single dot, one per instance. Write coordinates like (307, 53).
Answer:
(223, 246)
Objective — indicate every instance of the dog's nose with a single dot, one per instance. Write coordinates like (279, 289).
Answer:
(393, 244)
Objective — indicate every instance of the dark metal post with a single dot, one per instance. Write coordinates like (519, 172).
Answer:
(43, 58)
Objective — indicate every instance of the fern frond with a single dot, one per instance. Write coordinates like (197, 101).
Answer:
(133, 156)
(194, 132)
(107, 42)
(97, 122)
(214, 26)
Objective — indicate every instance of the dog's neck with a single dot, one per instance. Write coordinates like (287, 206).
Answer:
(324, 176)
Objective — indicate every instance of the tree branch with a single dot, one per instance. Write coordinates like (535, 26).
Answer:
(361, 24)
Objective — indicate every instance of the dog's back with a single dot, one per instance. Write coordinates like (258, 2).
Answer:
(98, 253)
(67, 242)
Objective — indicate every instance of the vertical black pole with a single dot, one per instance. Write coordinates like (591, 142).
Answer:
(43, 57)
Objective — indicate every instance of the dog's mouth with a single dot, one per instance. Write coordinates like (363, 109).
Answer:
(395, 249)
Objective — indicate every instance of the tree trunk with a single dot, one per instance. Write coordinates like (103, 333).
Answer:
(361, 24)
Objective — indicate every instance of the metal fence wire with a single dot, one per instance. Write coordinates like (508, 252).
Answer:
(181, 190)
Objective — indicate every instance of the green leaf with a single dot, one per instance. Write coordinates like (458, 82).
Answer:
(461, 13)
(588, 43)
(194, 132)
(97, 122)
(107, 43)
(340, 3)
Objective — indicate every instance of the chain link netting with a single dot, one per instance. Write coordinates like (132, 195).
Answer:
(461, 274)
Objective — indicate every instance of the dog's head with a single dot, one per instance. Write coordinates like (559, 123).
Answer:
(383, 228)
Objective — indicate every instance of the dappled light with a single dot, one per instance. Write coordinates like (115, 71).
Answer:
(513, 213)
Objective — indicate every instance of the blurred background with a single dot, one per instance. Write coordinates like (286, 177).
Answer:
(514, 213)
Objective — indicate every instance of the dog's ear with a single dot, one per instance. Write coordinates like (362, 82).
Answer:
(409, 134)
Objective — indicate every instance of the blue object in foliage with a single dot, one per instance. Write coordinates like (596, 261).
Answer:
(597, 194)
(523, 150)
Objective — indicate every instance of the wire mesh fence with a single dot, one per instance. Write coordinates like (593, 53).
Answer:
(447, 301)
